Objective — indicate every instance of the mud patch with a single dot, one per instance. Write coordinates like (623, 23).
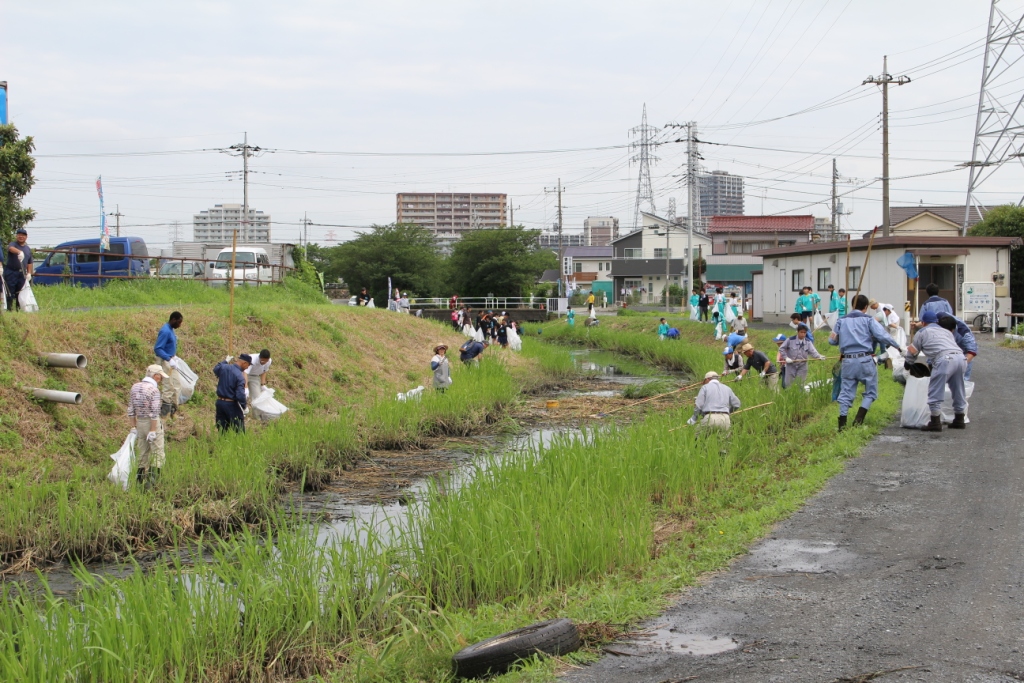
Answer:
(796, 555)
(672, 641)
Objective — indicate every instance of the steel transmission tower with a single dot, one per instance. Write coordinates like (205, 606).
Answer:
(643, 142)
(999, 131)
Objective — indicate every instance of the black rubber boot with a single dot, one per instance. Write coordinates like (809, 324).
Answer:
(859, 420)
(958, 422)
(140, 476)
(934, 426)
(842, 422)
(166, 409)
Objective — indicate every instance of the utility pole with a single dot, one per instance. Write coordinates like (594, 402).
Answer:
(117, 217)
(667, 257)
(245, 151)
(835, 202)
(561, 252)
(692, 198)
(305, 236)
(884, 80)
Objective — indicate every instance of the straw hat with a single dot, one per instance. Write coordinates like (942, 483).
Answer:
(745, 348)
(711, 375)
(439, 347)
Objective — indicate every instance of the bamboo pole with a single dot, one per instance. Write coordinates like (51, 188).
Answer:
(760, 405)
(231, 295)
(630, 405)
(846, 280)
(864, 270)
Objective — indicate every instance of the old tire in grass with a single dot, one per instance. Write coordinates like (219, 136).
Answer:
(496, 655)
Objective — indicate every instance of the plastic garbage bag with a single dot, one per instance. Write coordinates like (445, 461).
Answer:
(479, 336)
(899, 369)
(188, 381)
(515, 342)
(730, 314)
(915, 413)
(267, 407)
(947, 403)
(124, 463)
(694, 313)
(467, 330)
(718, 333)
(27, 300)
(831, 319)
(819, 320)
(370, 304)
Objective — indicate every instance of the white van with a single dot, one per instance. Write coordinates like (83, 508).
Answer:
(252, 267)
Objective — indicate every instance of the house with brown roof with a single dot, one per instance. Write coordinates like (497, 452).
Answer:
(931, 220)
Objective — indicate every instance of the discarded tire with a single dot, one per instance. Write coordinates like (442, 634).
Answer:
(496, 655)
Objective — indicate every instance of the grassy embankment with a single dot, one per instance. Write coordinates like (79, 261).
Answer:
(337, 368)
(603, 530)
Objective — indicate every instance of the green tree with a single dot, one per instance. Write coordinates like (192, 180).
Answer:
(499, 261)
(16, 166)
(1007, 221)
(405, 253)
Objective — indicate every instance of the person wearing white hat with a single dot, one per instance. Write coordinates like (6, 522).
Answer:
(439, 365)
(714, 403)
(144, 418)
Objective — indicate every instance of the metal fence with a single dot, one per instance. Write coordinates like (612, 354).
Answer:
(75, 273)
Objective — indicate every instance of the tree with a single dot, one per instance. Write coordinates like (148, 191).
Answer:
(1007, 221)
(499, 261)
(16, 166)
(405, 253)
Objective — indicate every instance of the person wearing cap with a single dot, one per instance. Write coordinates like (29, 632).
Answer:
(256, 376)
(856, 336)
(144, 419)
(779, 340)
(714, 403)
(964, 339)
(166, 351)
(362, 298)
(892, 319)
(232, 404)
(439, 364)
(470, 351)
(759, 362)
(739, 324)
(404, 305)
(795, 352)
(733, 361)
(948, 368)
(794, 321)
(18, 267)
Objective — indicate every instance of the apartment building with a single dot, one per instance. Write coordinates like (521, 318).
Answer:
(721, 194)
(452, 213)
(599, 231)
(220, 223)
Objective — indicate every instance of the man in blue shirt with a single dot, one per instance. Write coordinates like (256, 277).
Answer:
(936, 304)
(470, 351)
(166, 350)
(964, 339)
(856, 336)
(232, 404)
(17, 267)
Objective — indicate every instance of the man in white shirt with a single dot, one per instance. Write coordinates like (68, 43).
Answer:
(256, 377)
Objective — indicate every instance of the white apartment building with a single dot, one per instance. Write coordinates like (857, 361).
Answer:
(219, 224)
(452, 213)
(599, 231)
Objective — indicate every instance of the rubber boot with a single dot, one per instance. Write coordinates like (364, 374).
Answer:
(934, 426)
(166, 409)
(859, 420)
(842, 422)
(958, 422)
(140, 476)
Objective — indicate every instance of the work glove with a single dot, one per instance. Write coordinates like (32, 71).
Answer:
(787, 360)
(28, 277)
(692, 420)
(173, 363)
(133, 430)
(739, 377)
(21, 257)
(151, 437)
(764, 373)
(228, 359)
(245, 411)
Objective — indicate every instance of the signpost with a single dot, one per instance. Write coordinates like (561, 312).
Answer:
(980, 297)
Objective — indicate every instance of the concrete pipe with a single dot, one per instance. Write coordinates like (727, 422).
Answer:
(57, 396)
(75, 361)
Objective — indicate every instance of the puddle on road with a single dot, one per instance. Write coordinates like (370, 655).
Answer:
(794, 555)
(666, 640)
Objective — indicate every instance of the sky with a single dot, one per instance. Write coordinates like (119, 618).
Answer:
(351, 103)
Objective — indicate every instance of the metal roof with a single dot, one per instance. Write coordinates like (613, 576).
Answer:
(588, 252)
(721, 224)
(905, 241)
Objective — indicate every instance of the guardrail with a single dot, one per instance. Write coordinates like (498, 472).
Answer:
(70, 276)
(487, 302)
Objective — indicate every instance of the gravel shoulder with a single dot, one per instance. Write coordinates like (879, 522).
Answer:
(907, 566)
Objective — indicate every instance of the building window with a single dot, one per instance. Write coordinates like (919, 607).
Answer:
(608, 266)
(577, 267)
(600, 266)
(798, 280)
(662, 253)
(853, 280)
(824, 278)
(632, 253)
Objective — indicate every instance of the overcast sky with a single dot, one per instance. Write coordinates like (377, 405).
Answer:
(118, 82)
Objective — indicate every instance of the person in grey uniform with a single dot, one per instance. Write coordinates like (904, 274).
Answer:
(856, 336)
(935, 303)
(964, 339)
(795, 353)
(714, 403)
(948, 367)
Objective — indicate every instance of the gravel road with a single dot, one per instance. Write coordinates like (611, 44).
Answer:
(912, 557)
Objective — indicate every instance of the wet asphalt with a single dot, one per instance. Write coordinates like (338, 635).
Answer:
(912, 557)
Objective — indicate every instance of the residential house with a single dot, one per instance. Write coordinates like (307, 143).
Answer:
(589, 268)
(640, 258)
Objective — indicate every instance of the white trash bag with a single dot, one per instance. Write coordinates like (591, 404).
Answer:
(124, 463)
(467, 330)
(479, 335)
(27, 300)
(370, 304)
(915, 413)
(899, 369)
(515, 342)
(694, 313)
(947, 403)
(188, 381)
(730, 314)
(831, 319)
(267, 407)
(819, 320)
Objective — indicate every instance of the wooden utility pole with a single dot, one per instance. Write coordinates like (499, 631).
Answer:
(231, 295)
(884, 80)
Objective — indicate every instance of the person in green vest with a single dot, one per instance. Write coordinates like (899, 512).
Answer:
(838, 303)
(815, 300)
(570, 317)
(804, 305)
(662, 330)
(695, 305)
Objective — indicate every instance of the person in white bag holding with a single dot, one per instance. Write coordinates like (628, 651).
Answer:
(18, 267)
(144, 418)
(256, 377)
(166, 351)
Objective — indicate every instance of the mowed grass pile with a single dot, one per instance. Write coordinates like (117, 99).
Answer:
(572, 530)
(336, 368)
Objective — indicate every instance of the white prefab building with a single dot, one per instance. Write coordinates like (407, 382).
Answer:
(948, 261)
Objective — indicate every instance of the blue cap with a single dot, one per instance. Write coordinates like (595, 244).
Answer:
(802, 326)
(728, 350)
(929, 317)
(246, 357)
(21, 231)
(779, 337)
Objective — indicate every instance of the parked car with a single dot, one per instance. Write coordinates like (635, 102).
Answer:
(79, 262)
(252, 267)
(353, 301)
(182, 270)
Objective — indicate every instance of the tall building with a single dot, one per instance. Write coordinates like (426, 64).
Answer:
(452, 213)
(549, 240)
(219, 223)
(721, 194)
(599, 231)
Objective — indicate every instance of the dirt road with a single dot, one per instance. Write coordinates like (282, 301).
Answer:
(913, 557)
